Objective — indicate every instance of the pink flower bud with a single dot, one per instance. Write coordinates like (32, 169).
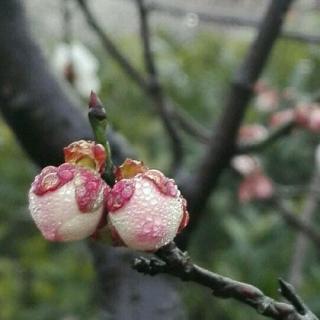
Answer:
(267, 100)
(314, 122)
(256, 186)
(252, 133)
(281, 118)
(147, 210)
(66, 202)
(302, 114)
(308, 116)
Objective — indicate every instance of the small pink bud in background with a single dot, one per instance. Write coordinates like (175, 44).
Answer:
(66, 202)
(146, 210)
(256, 186)
(308, 116)
(302, 114)
(267, 98)
(281, 118)
(252, 133)
(314, 121)
(87, 154)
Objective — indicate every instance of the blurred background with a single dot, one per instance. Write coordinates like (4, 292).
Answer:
(197, 46)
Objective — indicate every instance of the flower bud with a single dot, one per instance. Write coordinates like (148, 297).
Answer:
(252, 134)
(281, 118)
(256, 186)
(66, 202)
(314, 122)
(245, 164)
(146, 210)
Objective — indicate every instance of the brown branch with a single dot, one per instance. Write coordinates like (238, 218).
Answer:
(201, 184)
(171, 260)
(155, 90)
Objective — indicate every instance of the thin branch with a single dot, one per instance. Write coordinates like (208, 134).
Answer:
(155, 90)
(150, 65)
(171, 260)
(150, 85)
(111, 48)
(222, 144)
(67, 17)
(288, 292)
(202, 135)
(271, 138)
(191, 126)
(297, 223)
(302, 243)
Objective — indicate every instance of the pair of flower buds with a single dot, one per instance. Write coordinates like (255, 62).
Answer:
(144, 210)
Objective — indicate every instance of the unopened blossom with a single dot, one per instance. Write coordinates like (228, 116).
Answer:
(66, 202)
(245, 164)
(281, 118)
(267, 98)
(314, 121)
(302, 114)
(145, 208)
(256, 186)
(308, 116)
(252, 133)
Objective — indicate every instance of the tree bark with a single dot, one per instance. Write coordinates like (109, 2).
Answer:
(44, 120)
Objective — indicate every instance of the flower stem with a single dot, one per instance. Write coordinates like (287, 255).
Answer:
(99, 123)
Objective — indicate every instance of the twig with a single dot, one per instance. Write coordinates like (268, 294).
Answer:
(301, 244)
(292, 220)
(155, 90)
(191, 126)
(150, 85)
(222, 144)
(111, 48)
(173, 261)
(67, 30)
(272, 137)
(288, 292)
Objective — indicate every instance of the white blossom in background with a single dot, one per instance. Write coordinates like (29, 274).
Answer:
(245, 164)
(78, 65)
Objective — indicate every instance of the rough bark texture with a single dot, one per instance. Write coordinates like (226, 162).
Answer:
(44, 120)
